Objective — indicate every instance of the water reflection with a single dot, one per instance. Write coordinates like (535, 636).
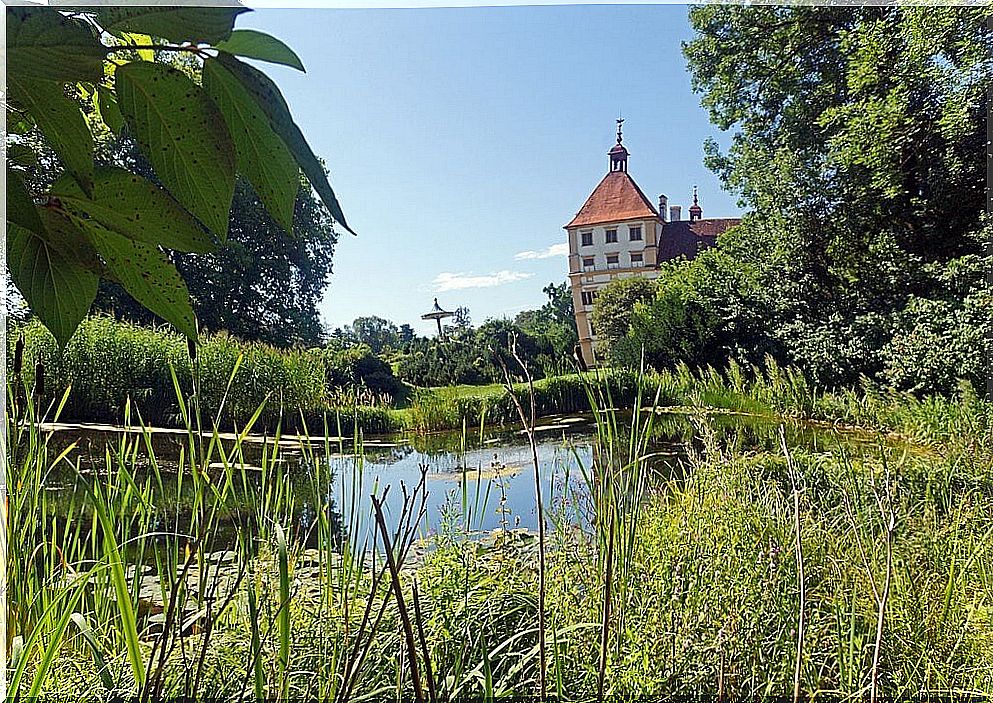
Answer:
(477, 482)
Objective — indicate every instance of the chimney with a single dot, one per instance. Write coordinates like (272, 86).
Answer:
(675, 212)
(663, 203)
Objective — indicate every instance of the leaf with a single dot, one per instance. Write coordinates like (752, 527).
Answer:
(178, 24)
(19, 122)
(57, 287)
(136, 208)
(268, 97)
(148, 276)
(99, 660)
(184, 137)
(262, 156)
(62, 233)
(21, 155)
(43, 44)
(61, 121)
(110, 113)
(20, 208)
(258, 45)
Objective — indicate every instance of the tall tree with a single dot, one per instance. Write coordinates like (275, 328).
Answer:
(376, 332)
(858, 146)
(555, 320)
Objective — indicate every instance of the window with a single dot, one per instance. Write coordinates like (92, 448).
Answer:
(588, 263)
(612, 261)
(611, 236)
(637, 259)
(587, 297)
(635, 233)
(587, 238)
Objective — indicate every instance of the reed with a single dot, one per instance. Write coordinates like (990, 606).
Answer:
(130, 577)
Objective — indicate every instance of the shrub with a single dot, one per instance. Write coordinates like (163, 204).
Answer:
(109, 363)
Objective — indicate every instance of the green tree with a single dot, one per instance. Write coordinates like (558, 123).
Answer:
(858, 146)
(615, 304)
(702, 312)
(262, 283)
(375, 332)
(93, 222)
(555, 320)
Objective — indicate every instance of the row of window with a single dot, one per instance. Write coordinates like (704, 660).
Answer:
(634, 235)
(613, 261)
(589, 296)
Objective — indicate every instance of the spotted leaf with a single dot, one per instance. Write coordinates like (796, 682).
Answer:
(184, 137)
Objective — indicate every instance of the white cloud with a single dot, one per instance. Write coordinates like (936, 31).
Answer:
(460, 281)
(561, 249)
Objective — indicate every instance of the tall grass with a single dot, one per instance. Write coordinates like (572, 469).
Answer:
(110, 364)
(649, 583)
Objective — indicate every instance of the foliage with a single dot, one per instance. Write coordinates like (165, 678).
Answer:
(544, 340)
(703, 592)
(473, 356)
(555, 320)
(376, 333)
(110, 365)
(857, 145)
(93, 223)
(615, 303)
(263, 283)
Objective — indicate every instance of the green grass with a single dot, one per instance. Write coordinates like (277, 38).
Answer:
(110, 365)
(681, 584)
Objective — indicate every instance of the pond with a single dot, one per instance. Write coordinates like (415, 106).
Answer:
(476, 483)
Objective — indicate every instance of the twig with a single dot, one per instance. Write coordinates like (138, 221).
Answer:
(529, 430)
(408, 631)
(791, 467)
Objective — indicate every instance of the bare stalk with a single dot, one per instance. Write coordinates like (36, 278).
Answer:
(890, 518)
(605, 623)
(801, 622)
(408, 630)
(529, 424)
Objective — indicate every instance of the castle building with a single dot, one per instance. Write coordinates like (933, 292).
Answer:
(619, 233)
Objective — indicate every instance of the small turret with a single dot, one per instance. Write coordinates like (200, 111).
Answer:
(696, 212)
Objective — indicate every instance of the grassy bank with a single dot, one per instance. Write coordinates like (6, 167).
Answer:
(699, 574)
(110, 365)
(769, 390)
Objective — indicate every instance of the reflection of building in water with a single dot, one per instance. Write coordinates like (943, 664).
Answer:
(619, 233)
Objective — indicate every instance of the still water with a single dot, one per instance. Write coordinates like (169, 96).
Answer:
(477, 483)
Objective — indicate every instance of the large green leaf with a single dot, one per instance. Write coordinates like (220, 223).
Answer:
(184, 137)
(62, 233)
(58, 287)
(43, 44)
(258, 45)
(263, 157)
(148, 276)
(269, 98)
(61, 121)
(20, 208)
(178, 24)
(136, 208)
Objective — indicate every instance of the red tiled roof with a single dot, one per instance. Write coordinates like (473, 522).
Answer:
(686, 238)
(617, 198)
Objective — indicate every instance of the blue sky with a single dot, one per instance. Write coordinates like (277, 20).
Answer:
(460, 138)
